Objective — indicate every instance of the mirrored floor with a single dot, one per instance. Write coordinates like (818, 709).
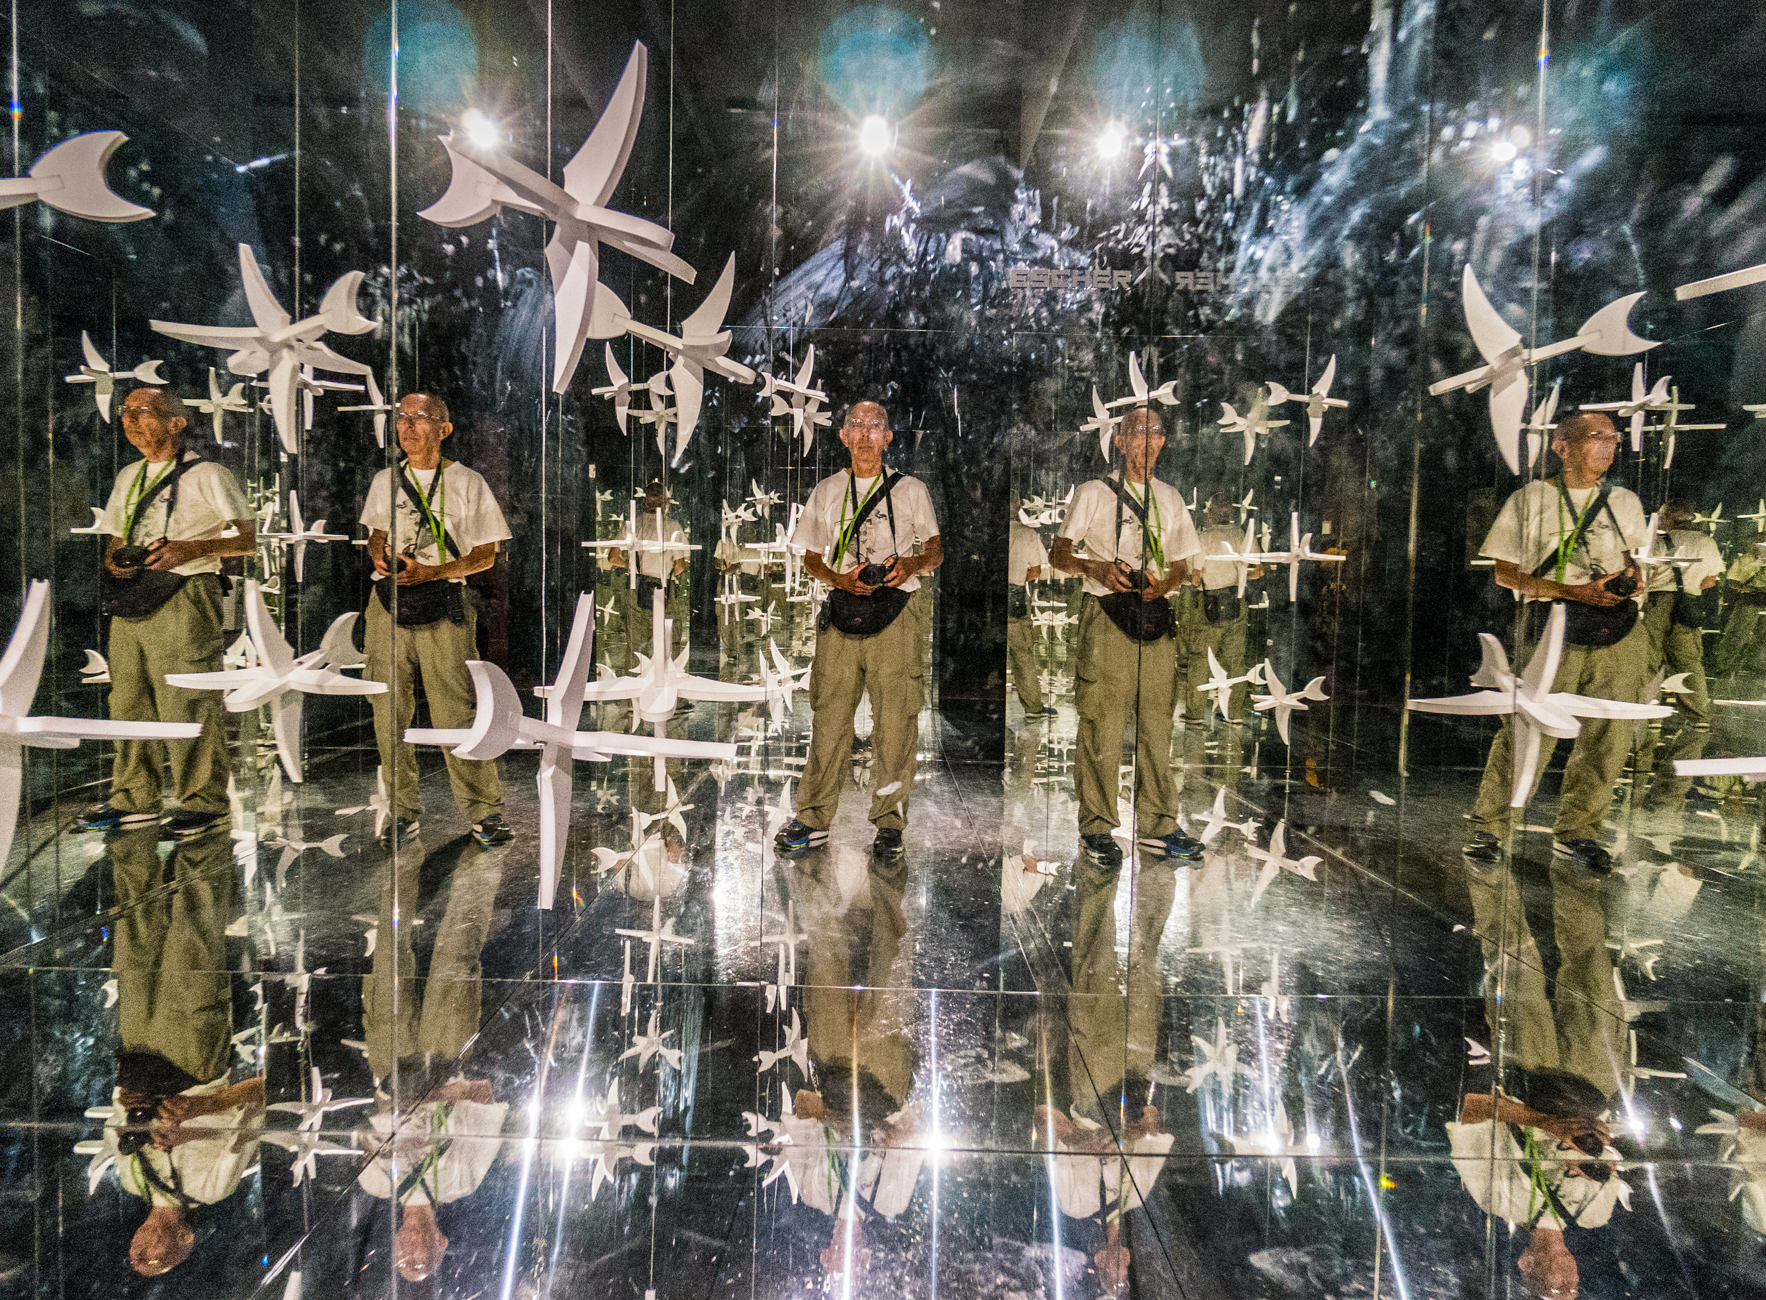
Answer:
(1330, 1058)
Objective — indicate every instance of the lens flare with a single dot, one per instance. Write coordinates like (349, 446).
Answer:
(875, 136)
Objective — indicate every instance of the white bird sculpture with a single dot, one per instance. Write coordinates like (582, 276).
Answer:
(1253, 424)
(70, 179)
(97, 372)
(1299, 549)
(279, 345)
(1317, 401)
(1284, 701)
(485, 179)
(217, 404)
(618, 388)
(300, 533)
(1607, 333)
(1643, 400)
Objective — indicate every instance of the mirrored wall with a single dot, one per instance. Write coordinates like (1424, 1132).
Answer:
(1281, 820)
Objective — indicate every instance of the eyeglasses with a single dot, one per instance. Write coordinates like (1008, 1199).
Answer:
(1611, 439)
(411, 417)
(864, 428)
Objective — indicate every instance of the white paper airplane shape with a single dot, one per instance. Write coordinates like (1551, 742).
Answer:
(700, 346)
(1713, 521)
(97, 372)
(1282, 700)
(1536, 710)
(1102, 422)
(1317, 401)
(217, 404)
(650, 1043)
(1140, 394)
(804, 402)
(375, 403)
(318, 1105)
(662, 681)
(1299, 549)
(1541, 422)
(70, 179)
(671, 813)
(1718, 283)
(780, 681)
(306, 1146)
(1644, 399)
(279, 345)
(796, 1049)
(1245, 560)
(1645, 556)
(485, 180)
(763, 501)
(97, 670)
(278, 679)
(1215, 820)
(618, 388)
(1219, 686)
(1276, 855)
(1219, 1059)
(1758, 517)
(633, 546)
(1252, 424)
(380, 804)
(500, 725)
(20, 670)
(659, 934)
(1607, 333)
(300, 533)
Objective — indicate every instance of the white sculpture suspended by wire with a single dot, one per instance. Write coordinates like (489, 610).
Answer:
(278, 679)
(217, 404)
(1253, 424)
(1607, 333)
(796, 398)
(1282, 700)
(281, 346)
(21, 667)
(485, 179)
(1316, 401)
(299, 534)
(70, 179)
(1299, 550)
(95, 370)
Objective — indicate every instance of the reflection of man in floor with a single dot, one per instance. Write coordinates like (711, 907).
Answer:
(857, 999)
(1737, 648)
(1111, 1144)
(1211, 615)
(182, 1137)
(1681, 604)
(1569, 538)
(436, 1017)
(445, 1147)
(1025, 562)
(1516, 1146)
(664, 570)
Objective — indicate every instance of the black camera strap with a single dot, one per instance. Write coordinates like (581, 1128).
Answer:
(1579, 537)
(167, 482)
(1139, 509)
(438, 528)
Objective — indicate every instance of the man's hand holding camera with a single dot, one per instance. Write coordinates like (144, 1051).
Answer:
(163, 556)
(1117, 576)
(865, 579)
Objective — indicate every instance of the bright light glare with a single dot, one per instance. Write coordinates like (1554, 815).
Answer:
(1110, 141)
(874, 135)
(1521, 136)
(1504, 151)
(483, 132)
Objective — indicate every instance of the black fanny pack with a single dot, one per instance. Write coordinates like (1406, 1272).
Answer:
(1018, 602)
(1220, 606)
(862, 615)
(1140, 620)
(1594, 626)
(145, 590)
(647, 589)
(1697, 609)
(424, 603)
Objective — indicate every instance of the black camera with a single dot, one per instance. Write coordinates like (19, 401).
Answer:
(1137, 579)
(128, 557)
(875, 575)
(1624, 584)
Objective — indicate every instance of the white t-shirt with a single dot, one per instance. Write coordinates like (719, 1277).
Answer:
(659, 564)
(1085, 1183)
(818, 527)
(1494, 1169)
(731, 551)
(206, 1169)
(473, 1132)
(1026, 552)
(1533, 521)
(1688, 542)
(1220, 540)
(208, 500)
(463, 502)
(1092, 517)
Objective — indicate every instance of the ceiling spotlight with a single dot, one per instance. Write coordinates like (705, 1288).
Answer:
(1111, 141)
(1504, 151)
(480, 130)
(875, 136)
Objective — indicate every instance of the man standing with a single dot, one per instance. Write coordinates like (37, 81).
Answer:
(1681, 603)
(162, 587)
(1569, 538)
(1025, 561)
(428, 532)
(1213, 616)
(655, 569)
(868, 535)
(1137, 535)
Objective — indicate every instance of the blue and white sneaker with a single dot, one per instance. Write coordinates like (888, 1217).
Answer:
(795, 837)
(1174, 845)
(108, 817)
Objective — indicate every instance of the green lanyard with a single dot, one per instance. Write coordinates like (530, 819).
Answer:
(850, 501)
(1152, 537)
(1567, 541)
(433, 520)
(137, 492)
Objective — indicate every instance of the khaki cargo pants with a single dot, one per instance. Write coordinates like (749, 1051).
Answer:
(1021, 659)
(1197, 636)
(1597, 756)
(436, 654)
(1115, 675)
(181, 636)
(891, 666)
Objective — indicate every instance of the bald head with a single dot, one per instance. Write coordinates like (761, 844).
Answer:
(160, 401)
(864, 413)
(1581, 424)
(1141, 420)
